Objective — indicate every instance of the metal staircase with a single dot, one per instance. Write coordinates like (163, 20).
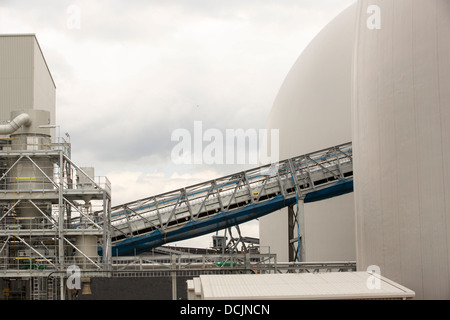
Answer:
(189, 212)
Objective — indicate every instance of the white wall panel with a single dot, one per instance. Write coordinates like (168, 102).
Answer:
(401, 116)
(44, 93)
(25, 80)
(16, 74)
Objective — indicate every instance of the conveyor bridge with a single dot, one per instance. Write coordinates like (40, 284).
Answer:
(217, 204)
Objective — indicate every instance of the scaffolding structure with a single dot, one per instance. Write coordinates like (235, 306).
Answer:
(53, 215)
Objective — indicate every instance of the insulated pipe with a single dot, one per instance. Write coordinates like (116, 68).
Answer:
(21, 120)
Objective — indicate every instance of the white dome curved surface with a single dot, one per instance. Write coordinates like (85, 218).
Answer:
(313, 111)
(401, 144)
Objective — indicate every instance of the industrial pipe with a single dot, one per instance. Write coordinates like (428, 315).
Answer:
(14, 125)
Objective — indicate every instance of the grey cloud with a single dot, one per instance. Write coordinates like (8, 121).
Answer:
(180, 75)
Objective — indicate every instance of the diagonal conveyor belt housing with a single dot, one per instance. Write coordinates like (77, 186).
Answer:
(148, 223)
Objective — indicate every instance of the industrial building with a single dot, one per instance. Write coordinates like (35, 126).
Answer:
(54, 214)
(401, 136)
(364, 136)
(377, 75)
(60, 234)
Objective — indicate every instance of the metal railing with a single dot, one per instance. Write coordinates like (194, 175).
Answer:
(28, 173)
(300, 177)
(188, 265)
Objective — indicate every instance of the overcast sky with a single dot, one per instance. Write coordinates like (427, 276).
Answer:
(129, 73)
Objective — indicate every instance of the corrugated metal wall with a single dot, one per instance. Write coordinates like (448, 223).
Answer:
(44, 93)
(16, 74)
(25, 81)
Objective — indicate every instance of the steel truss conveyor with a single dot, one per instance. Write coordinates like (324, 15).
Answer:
(200, 209)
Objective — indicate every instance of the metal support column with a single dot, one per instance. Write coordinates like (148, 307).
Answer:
(61, 226)
(107, 248)
(174, 277)
(296, 222)
(296, 217)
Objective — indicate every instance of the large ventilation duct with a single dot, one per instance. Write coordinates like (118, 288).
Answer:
(22, 119)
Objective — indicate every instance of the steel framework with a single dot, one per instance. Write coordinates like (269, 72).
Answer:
(67, 207)
(71, 207)
(224, 202)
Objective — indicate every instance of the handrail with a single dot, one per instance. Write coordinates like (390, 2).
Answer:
(243, 196)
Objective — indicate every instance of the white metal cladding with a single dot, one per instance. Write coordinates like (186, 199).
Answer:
(25, 80)
(401, 135)
(16, 85)
(297, 286)
(313, 111)
(44, 93)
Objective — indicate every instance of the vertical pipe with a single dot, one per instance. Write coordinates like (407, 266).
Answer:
(174, 277)
(61, 227)
(106, 233)
(301, 229)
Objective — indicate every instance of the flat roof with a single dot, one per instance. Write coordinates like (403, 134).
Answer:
(299, 286)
